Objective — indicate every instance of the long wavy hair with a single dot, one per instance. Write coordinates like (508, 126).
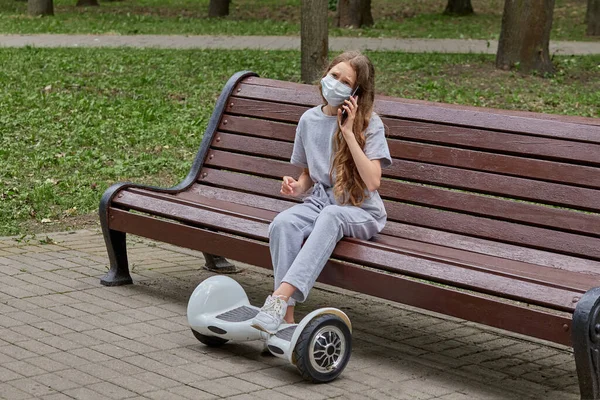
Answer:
(349, 188)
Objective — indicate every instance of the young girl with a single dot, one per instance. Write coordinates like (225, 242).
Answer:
(342, 159)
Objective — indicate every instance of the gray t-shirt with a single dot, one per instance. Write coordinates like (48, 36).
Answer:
(313, 149)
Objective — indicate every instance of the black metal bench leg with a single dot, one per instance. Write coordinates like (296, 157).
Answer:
(116, 246)
(586, 343)
(219, 264)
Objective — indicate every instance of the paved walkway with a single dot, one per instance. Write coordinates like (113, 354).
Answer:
(64, 336)
(280, 43)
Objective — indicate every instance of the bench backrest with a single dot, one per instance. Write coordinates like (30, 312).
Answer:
(521, 178)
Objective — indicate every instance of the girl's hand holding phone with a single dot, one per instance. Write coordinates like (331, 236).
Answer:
(290, 187)
(348, 108)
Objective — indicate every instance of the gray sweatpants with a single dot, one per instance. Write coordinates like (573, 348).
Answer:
(324, 223)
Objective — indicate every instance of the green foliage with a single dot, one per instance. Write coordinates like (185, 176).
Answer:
(393, 18)
(75, 121)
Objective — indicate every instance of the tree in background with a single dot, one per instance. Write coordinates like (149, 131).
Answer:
(314, 40)
(354, 13)
(218, 8)
(592, 18)
(40, 7)
(459, 7)
(525, 36)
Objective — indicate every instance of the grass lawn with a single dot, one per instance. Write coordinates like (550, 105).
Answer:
(74, 121)
(393, 18)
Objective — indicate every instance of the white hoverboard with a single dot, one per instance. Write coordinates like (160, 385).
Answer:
(319, 346)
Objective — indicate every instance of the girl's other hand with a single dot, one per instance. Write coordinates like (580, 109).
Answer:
(290, 186)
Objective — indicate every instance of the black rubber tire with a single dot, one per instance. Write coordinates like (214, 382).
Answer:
(210, 341)
(302, 355)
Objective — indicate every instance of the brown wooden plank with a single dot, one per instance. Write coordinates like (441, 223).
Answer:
(498, 111)
(441, 134)
(451, 177)
(253, 146)
(268, 188)
(254, 165)
(489, 207)
(204, 197)
(585, 130)
(493, 184)
(258, 127)
(189, 213)
(392, 287)
(424, 236)
(479, 139)
(497, 163)
(308, 97)
(264, 109)
(366, 253)
(244, 198)
(421, 236)
(486, 120)
(548, 276)
(426, 196)
(454, 274)
(540, 238)
(493, 248)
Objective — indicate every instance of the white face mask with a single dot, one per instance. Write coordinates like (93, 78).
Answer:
(334, 91)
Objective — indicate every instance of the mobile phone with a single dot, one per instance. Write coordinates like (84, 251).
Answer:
(344, 113)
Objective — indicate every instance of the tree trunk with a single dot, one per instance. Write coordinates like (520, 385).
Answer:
(367, 17)
(314, 42)
(40, 7)
(592, 18)
(354, 13)
(87, 3)
(459, 7)
(525, 36)
(218, 8)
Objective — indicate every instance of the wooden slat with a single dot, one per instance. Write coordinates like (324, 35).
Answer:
(479, 139)
(268, 188)
(493, 184)
(183, 212)
(422, 236)
(489, 207)
(264, 109)
(233, 196)
(497, 111)
(308, 97)
(254, 146)
(494, 248)
(497, 163)
(456, 178)
(468, 117)
(254, 165)
(540, 238)
(508, 232)
(366, 253)
(204, 196)
(258, 127)
(491, 312)
(449, 200)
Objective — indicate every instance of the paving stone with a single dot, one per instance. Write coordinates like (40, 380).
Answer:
(134, 342)
(10, 392)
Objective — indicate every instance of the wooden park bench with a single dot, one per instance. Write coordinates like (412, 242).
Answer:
(493, 215)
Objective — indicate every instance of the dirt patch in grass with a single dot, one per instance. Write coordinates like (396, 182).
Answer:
(86, 221)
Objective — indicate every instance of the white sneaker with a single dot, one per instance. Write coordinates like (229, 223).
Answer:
(271, 315)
